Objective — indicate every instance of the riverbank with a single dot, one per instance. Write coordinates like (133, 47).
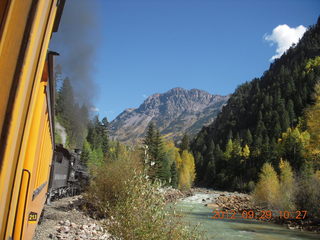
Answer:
(194, 211)
(238, 202)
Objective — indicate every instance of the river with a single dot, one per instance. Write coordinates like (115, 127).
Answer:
(195, 212)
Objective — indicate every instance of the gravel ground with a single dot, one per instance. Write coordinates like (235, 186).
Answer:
(64, 220)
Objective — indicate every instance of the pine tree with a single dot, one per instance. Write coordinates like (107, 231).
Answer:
(86, 152)
(105, 137)
(65, 101)
(184, 143)
(291, 113)
(174, 175)
(248, 137)
(150, 135)
(149, 142)
(159, 166)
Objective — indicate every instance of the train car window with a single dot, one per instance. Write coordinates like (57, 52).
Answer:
(4, 7)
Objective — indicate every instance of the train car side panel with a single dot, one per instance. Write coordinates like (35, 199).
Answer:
(28, 205)
(27, 145)
(14, 30)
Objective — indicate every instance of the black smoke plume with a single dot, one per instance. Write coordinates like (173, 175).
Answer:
(77, 41)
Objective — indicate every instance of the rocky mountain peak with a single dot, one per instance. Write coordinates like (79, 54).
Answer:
(174, 112)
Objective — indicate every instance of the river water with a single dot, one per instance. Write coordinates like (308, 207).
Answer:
(194, 212)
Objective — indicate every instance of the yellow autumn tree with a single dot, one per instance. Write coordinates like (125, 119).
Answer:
(312, 115)
(186, 170)
(267, 190)
(178, 160)
(170, 150)
(312, 64)
(287, 186)
(293, 145)
(245, 151)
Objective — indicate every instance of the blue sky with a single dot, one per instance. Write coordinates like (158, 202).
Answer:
(141, 47)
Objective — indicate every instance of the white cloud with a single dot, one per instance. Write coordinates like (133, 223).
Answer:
(94, 109)
(284, 36)
(144, 96)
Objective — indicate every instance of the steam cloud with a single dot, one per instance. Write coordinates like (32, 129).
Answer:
(77, 41)
(62, 132)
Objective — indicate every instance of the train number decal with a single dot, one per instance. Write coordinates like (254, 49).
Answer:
(33, 216)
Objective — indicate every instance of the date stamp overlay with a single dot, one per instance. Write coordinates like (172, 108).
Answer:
(259, 215)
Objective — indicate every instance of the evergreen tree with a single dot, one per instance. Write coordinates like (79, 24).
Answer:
(98, 139)
(291, 113)
(174, 175)
(159, 166)
(105, 137)
(150, 135)
(248, 137)
(86, 152)
(184, 143)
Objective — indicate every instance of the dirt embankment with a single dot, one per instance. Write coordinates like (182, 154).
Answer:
(63, 219)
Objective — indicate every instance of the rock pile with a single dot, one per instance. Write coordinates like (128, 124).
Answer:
(70, 230)
(173, 194)
(238, 202)
(65, 219)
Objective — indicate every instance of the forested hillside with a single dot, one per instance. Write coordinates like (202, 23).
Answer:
(265, 120)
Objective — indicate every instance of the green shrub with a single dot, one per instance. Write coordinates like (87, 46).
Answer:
(121, 192)
(250, 186)
(308, 193)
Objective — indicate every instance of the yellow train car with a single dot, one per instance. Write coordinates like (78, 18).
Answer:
(26, 111)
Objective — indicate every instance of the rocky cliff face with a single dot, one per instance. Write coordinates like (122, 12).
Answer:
(174, 113)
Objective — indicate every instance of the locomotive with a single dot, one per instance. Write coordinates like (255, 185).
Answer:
(68, 176)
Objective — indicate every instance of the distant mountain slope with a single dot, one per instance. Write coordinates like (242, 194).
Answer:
(174, 112)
